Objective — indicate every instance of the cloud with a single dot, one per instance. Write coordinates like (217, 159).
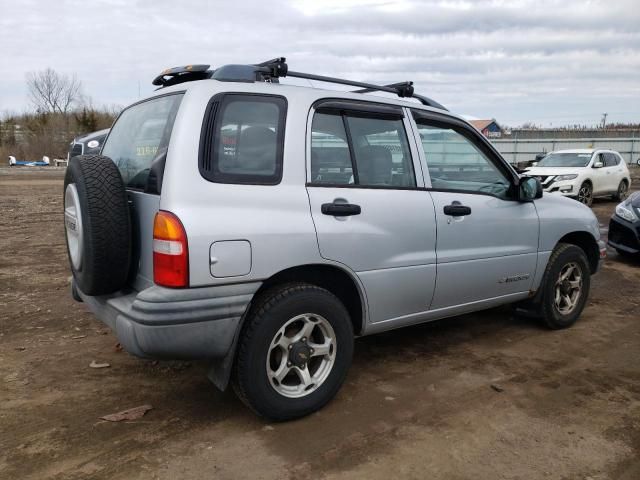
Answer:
(519, 60)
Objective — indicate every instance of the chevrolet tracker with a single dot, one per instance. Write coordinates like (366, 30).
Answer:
(261, 227)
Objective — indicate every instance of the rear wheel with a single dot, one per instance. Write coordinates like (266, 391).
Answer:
(622, 192)
(585, 194)
(294, 352)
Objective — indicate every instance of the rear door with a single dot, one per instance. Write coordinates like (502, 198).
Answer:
(487, 241)
(369, 207)
(614, 171)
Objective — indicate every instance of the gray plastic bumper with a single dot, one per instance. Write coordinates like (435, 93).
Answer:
(192, 323)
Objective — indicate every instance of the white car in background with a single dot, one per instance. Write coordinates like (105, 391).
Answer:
(583, 174)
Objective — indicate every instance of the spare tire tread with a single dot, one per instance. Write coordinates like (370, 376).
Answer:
(106, 224)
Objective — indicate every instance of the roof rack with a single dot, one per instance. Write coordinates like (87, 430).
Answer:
(272, 70)
(424, 100)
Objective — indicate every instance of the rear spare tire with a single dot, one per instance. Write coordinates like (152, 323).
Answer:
(97, 224)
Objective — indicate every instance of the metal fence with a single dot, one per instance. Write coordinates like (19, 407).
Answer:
(515, 151)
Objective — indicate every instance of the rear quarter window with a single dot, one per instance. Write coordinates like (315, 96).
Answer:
(242, 139)
(140, 137)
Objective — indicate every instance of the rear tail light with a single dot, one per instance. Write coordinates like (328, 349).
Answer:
(603, 249)
(170, 251)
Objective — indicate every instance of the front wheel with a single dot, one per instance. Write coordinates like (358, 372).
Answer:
(565, 286)
(621, 194)
(585, 194)
(294, 352)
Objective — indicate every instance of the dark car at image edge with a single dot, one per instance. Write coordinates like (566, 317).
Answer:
(624, 227)
(87, 144)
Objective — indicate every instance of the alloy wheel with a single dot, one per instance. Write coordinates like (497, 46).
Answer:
(301, 355)
(585, 194)
(622, 191)
(568, 288)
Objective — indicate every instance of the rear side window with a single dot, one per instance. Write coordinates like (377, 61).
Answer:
(243, 139)
(611, 160)
(360, 151)
(140, 137)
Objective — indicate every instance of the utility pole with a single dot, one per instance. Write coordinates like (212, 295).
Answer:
(604, 120)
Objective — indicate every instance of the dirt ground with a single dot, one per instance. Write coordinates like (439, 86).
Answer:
(482, 396)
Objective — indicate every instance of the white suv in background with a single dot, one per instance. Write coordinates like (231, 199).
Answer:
(583, 174)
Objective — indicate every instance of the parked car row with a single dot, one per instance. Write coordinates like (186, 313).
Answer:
(584, 174)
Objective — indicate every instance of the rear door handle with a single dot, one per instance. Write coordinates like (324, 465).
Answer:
(457, 210)
(340, 209)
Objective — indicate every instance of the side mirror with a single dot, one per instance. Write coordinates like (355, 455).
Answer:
(598, 164)
(529, 189)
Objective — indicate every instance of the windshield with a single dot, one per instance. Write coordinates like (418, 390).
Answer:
(565, 160)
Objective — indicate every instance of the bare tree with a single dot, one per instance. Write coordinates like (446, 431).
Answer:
(52, 92)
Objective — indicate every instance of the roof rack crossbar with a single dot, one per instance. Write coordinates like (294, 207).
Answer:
(275, 68)
(341, 81)
(403, 89)
(279, 67)
(424, 100)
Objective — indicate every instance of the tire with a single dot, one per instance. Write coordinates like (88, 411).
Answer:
(259, 357)
(585, 194)
(622, 192)
(553, 315)
(97, 224)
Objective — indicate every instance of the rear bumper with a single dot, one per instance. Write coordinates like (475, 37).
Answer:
(624, 235)
(164, 323)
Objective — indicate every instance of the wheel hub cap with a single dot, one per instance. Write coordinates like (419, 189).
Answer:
(299, 354)
(73, 225)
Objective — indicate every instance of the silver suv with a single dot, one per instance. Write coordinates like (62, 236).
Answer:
(261, 227)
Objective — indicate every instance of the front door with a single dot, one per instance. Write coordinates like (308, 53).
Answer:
(487, 242)
(600, 178)
(368, 207)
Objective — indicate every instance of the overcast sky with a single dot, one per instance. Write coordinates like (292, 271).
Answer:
(550, 62)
